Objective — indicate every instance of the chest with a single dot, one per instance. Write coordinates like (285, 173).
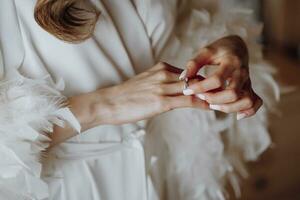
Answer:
(120, 47)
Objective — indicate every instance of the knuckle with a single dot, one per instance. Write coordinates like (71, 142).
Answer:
(165, 75)
(234, 95)
(234, 59)
(162, 75)
(251, 112)
(191, 63)
(163, 65)
(160, 89)
(217, 79)
(147, 73)
(249, 102)
(160, 65)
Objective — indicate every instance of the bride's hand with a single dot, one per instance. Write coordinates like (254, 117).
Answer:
(150, 93)
(229, 88)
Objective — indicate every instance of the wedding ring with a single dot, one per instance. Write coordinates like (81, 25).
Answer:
(186, 83)
(226, 84)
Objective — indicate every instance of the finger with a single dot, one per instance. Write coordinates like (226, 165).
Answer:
(194, 65)
(213, 82)
(222, 97)
(235, 80)
(250, 112)
(243, 104)
(185, 102)
(175, 88)
(159, 72)
(165, 72)
(238, 79)
(165, 66)
(167, 76)
(206, 85)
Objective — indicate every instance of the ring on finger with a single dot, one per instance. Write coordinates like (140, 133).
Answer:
(226, 83)
(186, 83)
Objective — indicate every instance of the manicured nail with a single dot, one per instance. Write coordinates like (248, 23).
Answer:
(240, 116)
(214, 107)
(201, 96)
(188, 92)
(183, 75)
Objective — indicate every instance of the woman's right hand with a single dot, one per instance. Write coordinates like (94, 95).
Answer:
(152, 92)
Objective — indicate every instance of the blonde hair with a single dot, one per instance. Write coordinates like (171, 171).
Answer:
(69, 20)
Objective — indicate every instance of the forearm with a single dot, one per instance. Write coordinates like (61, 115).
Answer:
(145, 95)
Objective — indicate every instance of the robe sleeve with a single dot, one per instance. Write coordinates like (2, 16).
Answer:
(29, 108)
(204, 150)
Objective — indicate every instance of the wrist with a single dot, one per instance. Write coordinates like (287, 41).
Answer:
(90, 109)
(102, 108)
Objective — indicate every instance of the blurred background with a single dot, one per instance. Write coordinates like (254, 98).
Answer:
(276, 176)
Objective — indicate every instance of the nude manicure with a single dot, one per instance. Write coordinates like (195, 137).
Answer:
(240, 116)
(201, 96)
(183, 75)
(215, 107)
(188, 92)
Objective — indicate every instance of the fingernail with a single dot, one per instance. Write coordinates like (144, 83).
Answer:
(188, 92)
(240, 116)
(214, 107)
(201, 96)
(183, 75)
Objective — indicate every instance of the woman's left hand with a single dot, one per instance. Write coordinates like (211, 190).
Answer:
(229, 88)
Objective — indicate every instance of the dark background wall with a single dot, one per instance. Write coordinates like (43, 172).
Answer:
(276, 176)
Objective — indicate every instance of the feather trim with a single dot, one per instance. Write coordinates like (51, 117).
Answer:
(200, 151)
(28, 110)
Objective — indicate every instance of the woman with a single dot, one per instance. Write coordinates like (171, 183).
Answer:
(97, 66)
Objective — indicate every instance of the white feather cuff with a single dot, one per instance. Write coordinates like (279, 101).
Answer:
(28, 110)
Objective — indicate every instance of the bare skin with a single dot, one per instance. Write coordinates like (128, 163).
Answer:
(150, 93)
(159, 90)
(230, 54)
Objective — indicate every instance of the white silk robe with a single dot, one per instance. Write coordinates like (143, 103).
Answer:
(163, 160)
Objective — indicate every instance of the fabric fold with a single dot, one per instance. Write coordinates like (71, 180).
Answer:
(29, 108)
